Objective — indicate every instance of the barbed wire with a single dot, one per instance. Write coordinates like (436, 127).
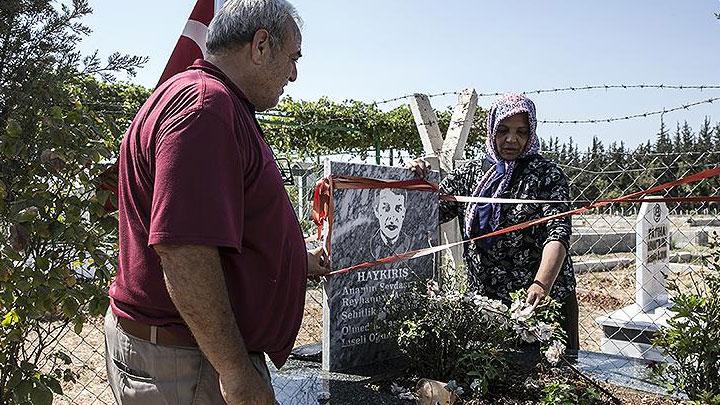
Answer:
(606, 120)
(273, 114)
(629, 117)
(655, 154)
(612, 87)
(639, 170)
(390, 100)
(559, 122)
(661, 86)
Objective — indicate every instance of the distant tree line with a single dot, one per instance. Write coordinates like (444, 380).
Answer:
(612, 170)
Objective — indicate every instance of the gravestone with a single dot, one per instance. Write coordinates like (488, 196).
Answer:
(368, 225)
(629, 331)
(652, 258)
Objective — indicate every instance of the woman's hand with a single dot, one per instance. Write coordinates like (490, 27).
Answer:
(420, 167)
(535, 294)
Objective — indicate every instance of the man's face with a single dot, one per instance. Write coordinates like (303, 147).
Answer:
(281, 68)
(390, 212)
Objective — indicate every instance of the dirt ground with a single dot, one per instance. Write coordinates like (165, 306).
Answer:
(88, 354)
(600, 293)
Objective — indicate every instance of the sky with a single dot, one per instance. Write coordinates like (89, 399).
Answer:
(374, 50)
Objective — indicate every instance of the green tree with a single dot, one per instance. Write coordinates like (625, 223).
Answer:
(705, 134)
(601, 173)
(687, 138)
(677, 143)
(663, 143)
(59, 126)
(313, 128)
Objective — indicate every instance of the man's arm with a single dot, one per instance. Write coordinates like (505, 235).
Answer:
(195, 281)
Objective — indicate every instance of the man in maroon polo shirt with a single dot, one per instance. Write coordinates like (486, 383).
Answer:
(212, 265)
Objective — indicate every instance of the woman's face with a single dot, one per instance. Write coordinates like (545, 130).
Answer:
(512, 136)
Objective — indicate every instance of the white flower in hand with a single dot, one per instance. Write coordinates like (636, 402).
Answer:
(521, 311)
(543, 331)
(524, 333)
(432, 288)
(554, 352)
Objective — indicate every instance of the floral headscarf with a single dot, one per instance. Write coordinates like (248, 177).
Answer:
(481, 218)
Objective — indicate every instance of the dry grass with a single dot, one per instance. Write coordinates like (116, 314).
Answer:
(311, 328)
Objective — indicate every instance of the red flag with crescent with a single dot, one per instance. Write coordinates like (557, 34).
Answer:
(190, 46)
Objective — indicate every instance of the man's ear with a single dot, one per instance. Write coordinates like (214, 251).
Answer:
(260, 46)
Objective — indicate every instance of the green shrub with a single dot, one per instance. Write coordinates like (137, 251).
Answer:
(469, 338)
(692, 337)
(562, 393)
(59, 128)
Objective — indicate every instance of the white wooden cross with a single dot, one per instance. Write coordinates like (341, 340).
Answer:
(444, 153)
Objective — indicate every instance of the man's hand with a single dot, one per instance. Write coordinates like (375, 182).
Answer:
(420, 167)
(246, 388)
(317, 262)
(535, 295)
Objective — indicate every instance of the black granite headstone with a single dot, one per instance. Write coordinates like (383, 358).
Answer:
(368, 225)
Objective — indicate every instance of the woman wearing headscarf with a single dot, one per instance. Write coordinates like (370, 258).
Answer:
(535, 259)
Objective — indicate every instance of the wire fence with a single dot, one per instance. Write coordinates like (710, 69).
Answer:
(603, 249)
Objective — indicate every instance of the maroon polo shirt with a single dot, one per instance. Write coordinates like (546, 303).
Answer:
(196, 170)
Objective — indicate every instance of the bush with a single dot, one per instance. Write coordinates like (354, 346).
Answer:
(692, 337)
(469, 338)
(569, 393)
(59, 127)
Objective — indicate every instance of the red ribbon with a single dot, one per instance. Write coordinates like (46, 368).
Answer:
(323, 206)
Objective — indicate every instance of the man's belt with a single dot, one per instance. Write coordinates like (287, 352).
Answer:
(160, 335)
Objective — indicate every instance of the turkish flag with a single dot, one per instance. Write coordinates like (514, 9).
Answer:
(191, 44)
(189, 47)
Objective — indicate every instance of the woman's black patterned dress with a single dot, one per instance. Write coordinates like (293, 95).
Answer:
(510, 262)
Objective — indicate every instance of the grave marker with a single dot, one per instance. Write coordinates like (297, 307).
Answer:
(629, 331)
(368, 225)
(652, 255)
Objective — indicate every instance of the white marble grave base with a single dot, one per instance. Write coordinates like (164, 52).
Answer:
(629, 331)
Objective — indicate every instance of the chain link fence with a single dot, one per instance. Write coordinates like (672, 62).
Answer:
(603, 249)
(610, 269)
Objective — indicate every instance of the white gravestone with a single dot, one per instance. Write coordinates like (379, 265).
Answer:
(652, 261)
(629, 331)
